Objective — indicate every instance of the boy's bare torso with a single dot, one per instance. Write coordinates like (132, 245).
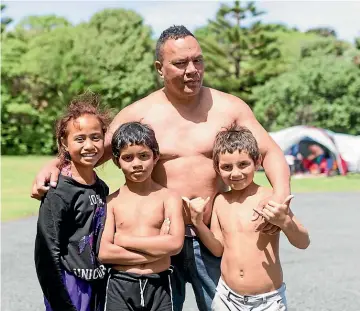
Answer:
(186, 141)
(250, 263)
(143, 216)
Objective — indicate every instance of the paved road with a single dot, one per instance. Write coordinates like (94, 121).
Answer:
(325, 277)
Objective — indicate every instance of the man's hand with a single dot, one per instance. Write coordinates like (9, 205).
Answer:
(276, 213)
(47, 177)
(264, 226)
(165, 228)
(273, 211)
(197, 207)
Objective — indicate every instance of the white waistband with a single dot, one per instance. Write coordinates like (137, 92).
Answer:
(226, 290)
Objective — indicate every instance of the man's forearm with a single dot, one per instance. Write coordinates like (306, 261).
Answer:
(277, 171)
(158, 245)
(107, 150)
(114, 254)
(55, 162)
(106, 156)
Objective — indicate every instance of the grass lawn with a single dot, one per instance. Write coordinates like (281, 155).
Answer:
(17, 174)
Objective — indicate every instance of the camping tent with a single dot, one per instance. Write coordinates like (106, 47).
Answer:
(349, 148)
(289, 137)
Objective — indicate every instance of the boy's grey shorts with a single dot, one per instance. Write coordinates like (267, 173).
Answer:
(227, 300)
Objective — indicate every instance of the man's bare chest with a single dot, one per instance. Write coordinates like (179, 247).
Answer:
(178, 137)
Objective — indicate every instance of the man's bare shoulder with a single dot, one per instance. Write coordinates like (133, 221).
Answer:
(159, 94)
(221, 98)
(139, 109)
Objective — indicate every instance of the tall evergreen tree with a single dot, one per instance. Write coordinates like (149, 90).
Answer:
(4, 20)
(235, 49)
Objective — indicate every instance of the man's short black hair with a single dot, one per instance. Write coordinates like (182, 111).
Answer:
(173, 32)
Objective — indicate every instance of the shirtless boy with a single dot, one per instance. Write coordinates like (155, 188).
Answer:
(134, 241)
(251, 274)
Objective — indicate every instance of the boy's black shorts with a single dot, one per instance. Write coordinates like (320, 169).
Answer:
(131, 291)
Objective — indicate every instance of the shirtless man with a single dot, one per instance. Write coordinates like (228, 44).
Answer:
(132, 241)
(251, 274)
(186, 117)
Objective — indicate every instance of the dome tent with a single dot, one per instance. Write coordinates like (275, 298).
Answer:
(349, 147)
(291, 136)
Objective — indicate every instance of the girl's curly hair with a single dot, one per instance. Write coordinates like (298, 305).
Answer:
(87, 103)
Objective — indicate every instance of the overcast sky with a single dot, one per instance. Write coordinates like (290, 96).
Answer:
(343, 16)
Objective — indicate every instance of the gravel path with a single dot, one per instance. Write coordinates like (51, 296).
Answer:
(325, 277)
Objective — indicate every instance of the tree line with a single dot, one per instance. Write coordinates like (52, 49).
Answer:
(287, 76)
